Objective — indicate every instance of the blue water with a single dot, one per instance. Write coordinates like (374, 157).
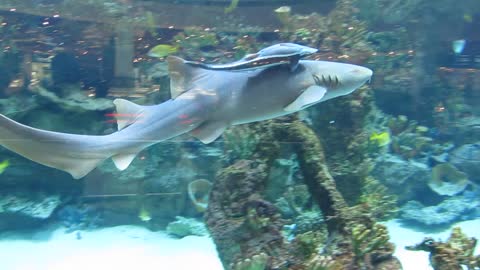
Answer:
(402, 149)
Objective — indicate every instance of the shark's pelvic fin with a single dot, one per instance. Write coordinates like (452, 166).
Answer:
(122, 161)
(127, 112)
(209, 132)
(311, 95)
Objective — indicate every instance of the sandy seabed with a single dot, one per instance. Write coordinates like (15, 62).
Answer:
(135, 247)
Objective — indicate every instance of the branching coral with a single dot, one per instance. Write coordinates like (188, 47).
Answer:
(367, 240)
(240, 141)
(381, 204)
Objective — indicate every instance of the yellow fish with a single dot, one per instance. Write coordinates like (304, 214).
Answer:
(4, 165)
(162, 50)
(144, 215)
(233, 5)
(380, 139)
(468, 18)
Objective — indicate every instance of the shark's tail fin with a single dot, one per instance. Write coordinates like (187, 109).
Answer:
(53, 149)
(75, 154)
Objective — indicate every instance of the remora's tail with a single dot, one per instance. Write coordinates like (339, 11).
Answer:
(75, 154)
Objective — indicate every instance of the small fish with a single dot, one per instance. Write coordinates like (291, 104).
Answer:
(150, 21)
(380, 139)
(233, 5)
(144, 215)
(468, 17)
(4, 165)
(458, 46)
(162, 50)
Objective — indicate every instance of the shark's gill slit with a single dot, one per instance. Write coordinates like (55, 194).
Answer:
(317, 80)
(327, 81)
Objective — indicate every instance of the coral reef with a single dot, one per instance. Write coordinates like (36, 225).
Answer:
(256, 262)
(239, 142)
(467, 158)
(447, 180)
(194, 40)
(240, 221)
(79, 217)
(366, 241)
(244, 225)
(447, 212)
(454, 254)
(74, 100)
(405, 178)
(182, 227)
(410, 140)
(26, 209)
(381, 203)
(340, 34)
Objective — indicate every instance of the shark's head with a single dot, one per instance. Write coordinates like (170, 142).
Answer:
(337, 78)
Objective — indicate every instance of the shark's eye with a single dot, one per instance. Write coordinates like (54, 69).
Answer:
(326, 81)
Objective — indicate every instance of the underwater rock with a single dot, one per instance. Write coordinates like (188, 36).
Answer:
(75, 100)
(282, 174)
(309, 221)
(467, 159)
(381, 203)
(447, 180)
(79, 217)
(447, 212)
(186, 226)
(21, 210)
(17, 106)
(404, 178)
(158, 71)
(256, 262)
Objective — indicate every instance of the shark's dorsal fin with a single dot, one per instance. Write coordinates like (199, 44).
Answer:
(122, 161)
(183, 76)
(127, 112)
(209, 131)
(311, 95)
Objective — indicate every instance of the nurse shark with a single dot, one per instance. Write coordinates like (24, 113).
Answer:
(203, 103)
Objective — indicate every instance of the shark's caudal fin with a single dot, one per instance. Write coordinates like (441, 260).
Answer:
(75, 154)
(52, 149)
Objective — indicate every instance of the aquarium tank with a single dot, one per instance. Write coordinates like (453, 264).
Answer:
(239, 134)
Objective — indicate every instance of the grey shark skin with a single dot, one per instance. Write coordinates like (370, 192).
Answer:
(204, 103)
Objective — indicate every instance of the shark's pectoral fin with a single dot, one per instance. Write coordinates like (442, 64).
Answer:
(209, 132)
(127, 112)
(311, 95)
(122, 161)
